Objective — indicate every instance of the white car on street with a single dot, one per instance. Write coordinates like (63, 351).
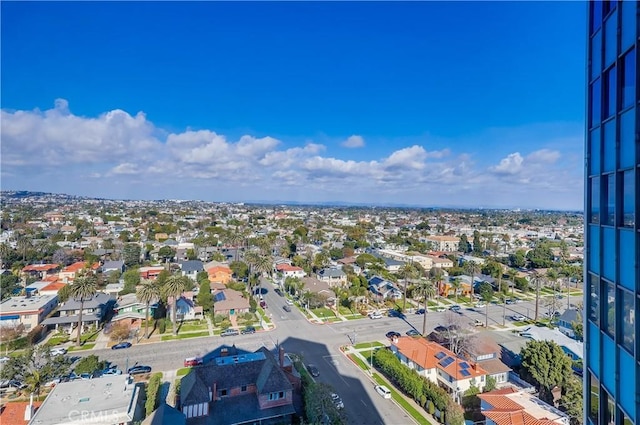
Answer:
(518, 318)
(383, 391)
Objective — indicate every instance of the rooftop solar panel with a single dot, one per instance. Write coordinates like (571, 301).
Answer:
(446, 362)
(440, 355)
(464, 365)
(465, 372)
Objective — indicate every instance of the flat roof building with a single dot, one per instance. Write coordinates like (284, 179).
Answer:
(29, 311)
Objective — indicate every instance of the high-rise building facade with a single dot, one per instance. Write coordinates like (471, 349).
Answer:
(612, 277)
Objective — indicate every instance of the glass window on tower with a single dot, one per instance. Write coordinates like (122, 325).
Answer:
(596, 15)
(611, 411)
(596, 106)
(629, 10)
(628, 319)
(610, 39)
(609, 196)
(610, 92)
(595, 200)
(596, 54)
(594, 151)
(628, 79)
(594, 400)
(594, 298)
(609, 146)
(628, 198)
(609, 318)
(627, 139)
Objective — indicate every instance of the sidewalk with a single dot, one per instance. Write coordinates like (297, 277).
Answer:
(168, 391)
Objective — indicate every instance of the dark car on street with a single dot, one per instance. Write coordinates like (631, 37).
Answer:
(392, 334)
(279, 292)
(248, 330)
(121, 345)
(313, 370)
(137, 370)
(286, 308)
(413, 332)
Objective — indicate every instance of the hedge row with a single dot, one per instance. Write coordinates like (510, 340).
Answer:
(153, 388)
(426, 393)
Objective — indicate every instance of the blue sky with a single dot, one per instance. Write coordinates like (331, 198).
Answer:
(471, 104)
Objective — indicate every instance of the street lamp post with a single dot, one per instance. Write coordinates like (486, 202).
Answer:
(371, 359)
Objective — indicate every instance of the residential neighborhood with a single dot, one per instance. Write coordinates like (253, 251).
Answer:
(87, 279)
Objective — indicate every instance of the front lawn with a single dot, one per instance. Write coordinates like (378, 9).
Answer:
(363, 345)
(183, 371)
(193, 326)
(82, 347)
(185, 336)
(323, 312)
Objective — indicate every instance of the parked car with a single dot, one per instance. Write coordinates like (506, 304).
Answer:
(279, 292)
(111, 371)
(396, 313)
(12, 383)
(58, 351)
(193, 361)
(121, 345)
(263, 304)
(383, 391)
(440, 309)
(481, 305)
(337, 401)
(413, 332)
(248, 330)
(510, 301)
(289, 302)
(375, 315)
(136, 370)
(392, 334)
(455, 308)
(286, 308)
(420, 311)
(313, 370)
(478, 323)
(518, 318)
(229, 332)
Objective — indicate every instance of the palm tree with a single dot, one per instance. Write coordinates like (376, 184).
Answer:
(456, 284)
(409, 271)
(512, 273)
(503, 300)
(33, 380)
(428, 290)
(147, 292)
(537, 279)
(174, 287)
(23, 244)
(487, 296)
(83, 288)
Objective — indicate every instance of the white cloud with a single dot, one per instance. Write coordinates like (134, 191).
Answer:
(120, 155)
(354, 141)
(510, 165)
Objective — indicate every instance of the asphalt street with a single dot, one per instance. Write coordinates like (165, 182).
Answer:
(317, 344)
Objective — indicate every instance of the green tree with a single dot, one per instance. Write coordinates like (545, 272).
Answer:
(240, 269)
(8, 283)
(131, 279)
(89, 364)
(83, 289)
(204, 298)
(571, 401)
(131, 254)
(578, 327)
(491, 384)
(147, 293)
(174, 287)
(477, 243)
(547, 365)
(166, 253)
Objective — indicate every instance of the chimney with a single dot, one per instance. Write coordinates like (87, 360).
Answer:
(28, 411)
(281, 356)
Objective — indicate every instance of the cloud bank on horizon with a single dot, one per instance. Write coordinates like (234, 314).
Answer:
(123, 156)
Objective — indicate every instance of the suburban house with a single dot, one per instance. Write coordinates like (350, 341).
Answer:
(446, 289)
(288, 270)
(441, 263)
(228, 302)
(439, 365)
(567, 320)
(191, 268)
(40, 271)
(443, 243)
(68, 273)
(186, 308)
(150, 272)
(112, 266)
(334, 277)
(111, 399)
(18, 412)
(508, 406)
(383, 289)
(244, 388)
(93, 312)
(319, 287)
(129, 308)
(486, 352)
(219, 274)
(390, 264)
(28, 311)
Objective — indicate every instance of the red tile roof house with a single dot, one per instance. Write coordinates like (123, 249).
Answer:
(439, 365)
(68, 274)
(509, 406)
(41, 271)
(16, 412)
(288, 270)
